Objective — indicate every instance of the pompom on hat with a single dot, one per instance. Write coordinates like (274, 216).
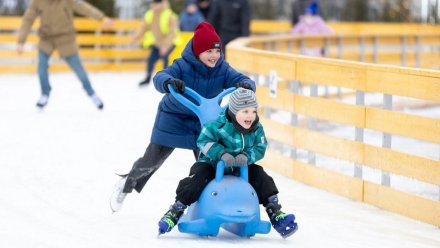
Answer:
(242, 98)
(312, 8)
(205, 38)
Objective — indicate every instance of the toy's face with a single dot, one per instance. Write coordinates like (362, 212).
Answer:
(230, 200)
(246, 117)
(210, 57)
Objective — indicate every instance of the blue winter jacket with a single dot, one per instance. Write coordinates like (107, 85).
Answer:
(175, 125)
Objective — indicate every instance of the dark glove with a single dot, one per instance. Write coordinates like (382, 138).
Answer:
(243, 85)
(177, 84)
(228, 159)
(241, 159)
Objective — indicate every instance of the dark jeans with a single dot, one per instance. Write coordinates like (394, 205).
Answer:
(154, 156)
(190, 188)
(155, 56)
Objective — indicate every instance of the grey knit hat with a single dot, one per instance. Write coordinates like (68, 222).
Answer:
(242, 98)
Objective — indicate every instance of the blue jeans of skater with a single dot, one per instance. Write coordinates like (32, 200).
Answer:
(155, 56)
(74, 63)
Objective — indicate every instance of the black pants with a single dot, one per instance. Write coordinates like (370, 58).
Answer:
(155, 56)
(190, 188)
(154, 156)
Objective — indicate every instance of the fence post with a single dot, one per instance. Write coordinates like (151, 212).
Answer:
(418, 51)
(340, 47)
(294, 87)
(290, 46)
(403, 50)
(362, 48)
(311, 156)
(301, 46)
(375, 49)
(386, 138)
(359, 132)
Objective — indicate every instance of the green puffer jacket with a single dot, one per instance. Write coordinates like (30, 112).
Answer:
(220, 136)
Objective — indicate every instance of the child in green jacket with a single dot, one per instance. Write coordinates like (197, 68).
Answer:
(236, 137)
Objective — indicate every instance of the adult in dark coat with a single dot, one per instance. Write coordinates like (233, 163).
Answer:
(201, 68)
(230, 18)
(204, 6)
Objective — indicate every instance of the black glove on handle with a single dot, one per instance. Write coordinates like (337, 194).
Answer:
(243, 85)
(177, 84)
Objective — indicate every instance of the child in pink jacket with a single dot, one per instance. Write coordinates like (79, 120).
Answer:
(311, 24)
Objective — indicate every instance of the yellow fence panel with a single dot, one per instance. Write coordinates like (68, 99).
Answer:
(399, 163)
(403, 203)
(330, 72)
(407, 125)
(308, 140)
(410, 83)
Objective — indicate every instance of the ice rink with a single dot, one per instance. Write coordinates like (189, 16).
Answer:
(58, 170)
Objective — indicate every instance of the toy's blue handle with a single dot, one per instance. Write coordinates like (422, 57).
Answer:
(220, 171)
(207, 109)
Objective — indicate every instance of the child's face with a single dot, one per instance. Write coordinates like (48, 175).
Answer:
(246, 117)
(191, 8)
(156, 6)
(210, 57)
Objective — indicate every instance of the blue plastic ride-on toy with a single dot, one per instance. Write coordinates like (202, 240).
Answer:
(227, 201)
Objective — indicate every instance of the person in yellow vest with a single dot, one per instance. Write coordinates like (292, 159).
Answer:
(160, 32)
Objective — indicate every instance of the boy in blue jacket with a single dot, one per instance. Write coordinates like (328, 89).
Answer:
(236, 137)
(201, 68)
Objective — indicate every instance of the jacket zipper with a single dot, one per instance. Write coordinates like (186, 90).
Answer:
(242, 138)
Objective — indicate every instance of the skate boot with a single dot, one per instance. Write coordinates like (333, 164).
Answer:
(283, 223)
(99, 104)
(170, 218)
(118, 196)
(42, 102)
(146, 81)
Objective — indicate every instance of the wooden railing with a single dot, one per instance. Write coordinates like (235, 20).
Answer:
(418, 49)
(299, 121)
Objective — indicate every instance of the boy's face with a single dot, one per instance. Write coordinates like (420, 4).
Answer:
(246, 117)
(156, 6)
(191, 8)
(210, 57)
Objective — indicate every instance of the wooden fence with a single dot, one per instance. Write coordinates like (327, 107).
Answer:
(288, 99)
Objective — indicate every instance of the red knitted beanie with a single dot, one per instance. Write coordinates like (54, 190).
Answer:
(205, 38)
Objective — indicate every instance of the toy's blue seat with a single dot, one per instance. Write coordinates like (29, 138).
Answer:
(227, 201)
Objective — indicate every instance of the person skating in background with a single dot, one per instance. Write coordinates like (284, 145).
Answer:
(190, 16)
(201, 68)
(204, 6)
(230, 18)
(311, 24)
(160, 33)
(56, 32)
(237, 138)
